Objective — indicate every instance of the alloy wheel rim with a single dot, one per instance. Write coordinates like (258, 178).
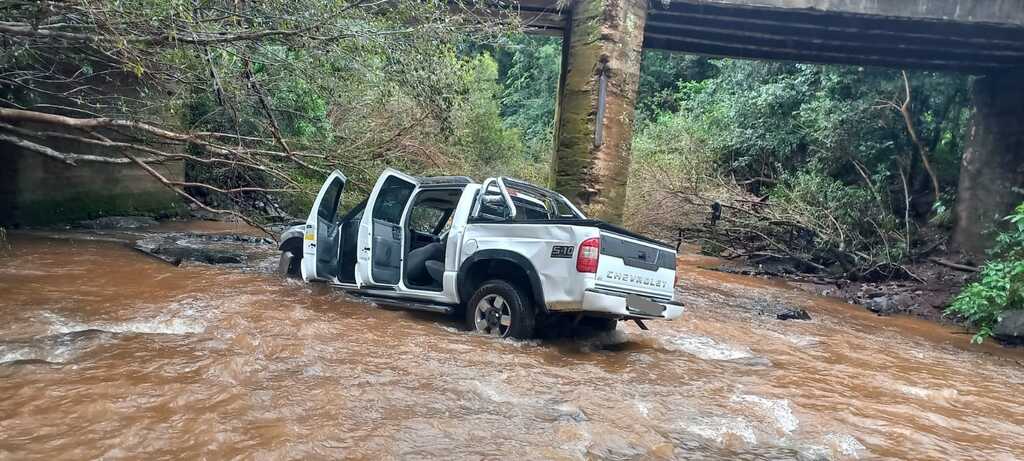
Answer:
(493, 316)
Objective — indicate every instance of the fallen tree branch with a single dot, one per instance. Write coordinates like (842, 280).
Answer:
(953, 265)
(159, 156)
(178, 190)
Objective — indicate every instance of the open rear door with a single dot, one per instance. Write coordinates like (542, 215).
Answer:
(380, 232)
(321, 242)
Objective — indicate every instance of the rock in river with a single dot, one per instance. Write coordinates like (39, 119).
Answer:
(118, 222)
(176, 249)
(781, 311)
(793, 314)
(1010, 329)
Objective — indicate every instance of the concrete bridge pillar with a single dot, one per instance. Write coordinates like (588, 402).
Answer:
(596, 96)
(992, 169)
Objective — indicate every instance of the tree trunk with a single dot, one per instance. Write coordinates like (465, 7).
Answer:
(992, 169)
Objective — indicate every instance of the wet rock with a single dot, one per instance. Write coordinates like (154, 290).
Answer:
(175, 251)
(1010, 329)
(198, 213)
(793, 314)
(780, 311)
(118, 222)
(881, 305)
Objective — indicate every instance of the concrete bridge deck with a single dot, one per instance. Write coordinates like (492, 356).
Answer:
(973, 36)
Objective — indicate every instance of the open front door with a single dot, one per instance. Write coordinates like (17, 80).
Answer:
(321, 242)
(380, 230)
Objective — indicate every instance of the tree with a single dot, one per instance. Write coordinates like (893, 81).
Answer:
(258, 97)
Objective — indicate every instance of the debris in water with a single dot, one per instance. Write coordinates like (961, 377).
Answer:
(793, 314)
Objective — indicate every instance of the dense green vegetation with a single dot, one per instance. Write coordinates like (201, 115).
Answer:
(1000, 286)
(261, 99)
(811, 163)
(818, 150)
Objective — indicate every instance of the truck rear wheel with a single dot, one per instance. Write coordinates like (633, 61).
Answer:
(500, 309)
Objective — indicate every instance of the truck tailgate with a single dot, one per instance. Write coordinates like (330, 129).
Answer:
(630, 265)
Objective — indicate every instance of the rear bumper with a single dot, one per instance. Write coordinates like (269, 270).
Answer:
(614, 304)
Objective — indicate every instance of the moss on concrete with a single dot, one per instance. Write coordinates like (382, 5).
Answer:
(45, 212)
(606, 38)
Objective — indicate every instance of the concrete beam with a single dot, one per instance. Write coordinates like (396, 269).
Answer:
(783, 30)
(796, 53)
(971, 36)
(976, 11)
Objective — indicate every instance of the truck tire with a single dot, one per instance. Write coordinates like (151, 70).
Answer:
(500, 309)
(289, 265)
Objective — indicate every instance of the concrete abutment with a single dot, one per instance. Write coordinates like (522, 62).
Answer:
(992, 168)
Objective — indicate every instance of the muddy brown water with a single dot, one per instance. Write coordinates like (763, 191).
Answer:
(107, 353)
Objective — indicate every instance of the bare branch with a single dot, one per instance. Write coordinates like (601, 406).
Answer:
(177, 189)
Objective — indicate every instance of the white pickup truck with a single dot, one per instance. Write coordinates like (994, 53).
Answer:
(506, 253)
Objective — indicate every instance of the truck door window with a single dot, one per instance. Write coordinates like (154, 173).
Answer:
(425, 219)
(386, 249)
(391, 200)
(331, 201)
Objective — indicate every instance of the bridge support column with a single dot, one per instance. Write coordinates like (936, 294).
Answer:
(596, 97)
(992, 169)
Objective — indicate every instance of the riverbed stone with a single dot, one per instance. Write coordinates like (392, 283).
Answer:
(1010, 329)
(176, 250)
(793, 314)
(118, 222)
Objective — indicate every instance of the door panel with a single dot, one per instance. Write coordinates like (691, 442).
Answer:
(387, 252)
(349, 229)
(380, 231)
(322, 240)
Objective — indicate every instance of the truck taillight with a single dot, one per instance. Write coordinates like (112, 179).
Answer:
(586, 258)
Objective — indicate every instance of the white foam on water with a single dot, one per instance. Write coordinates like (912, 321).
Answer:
(518, 342)
(571, 411)
(450, 329)
(602, 340)
(163, 324)
(22, 271)
(720, 429)
(642, 407)
(838, 446)
(496, 392)
(707, 349)
(12, 354)
(777, 409)
(312, 371)
(934, 395)
(57, 354)
(803, 341)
